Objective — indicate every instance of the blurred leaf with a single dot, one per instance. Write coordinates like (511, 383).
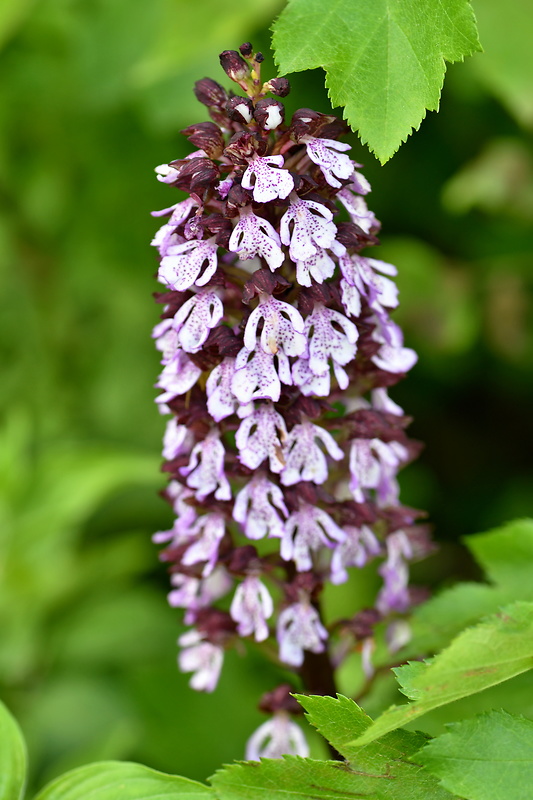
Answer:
(384, 61)
(110, 780)
(12, 15)
(506, 555)
(498, 181)
(491, 652)
(12, 757)
(182, 45)
(339, 720)
(506, 30)
(485, 758)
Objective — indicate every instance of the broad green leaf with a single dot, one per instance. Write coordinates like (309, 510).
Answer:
(339, 720)
(506, 556)
(489, 757)
(114, 780)
(295, 778)
(493, 651)
(384, 60)
(12, 757)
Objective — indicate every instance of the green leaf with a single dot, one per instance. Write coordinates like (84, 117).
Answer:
(384, 60)
(114, 780)
(506, 31)
(486, 758)
(295, 778)
(506, 556)
(493, 651)
(339, 720)
(12, 757)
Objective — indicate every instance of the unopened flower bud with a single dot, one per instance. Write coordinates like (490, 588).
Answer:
(234, 66)
(197, 175)
(242, 146)
(279, 86)
(259, 57)
(210, 93)
(240, 109)
(246, 49)
(207, 137)
(269, 114)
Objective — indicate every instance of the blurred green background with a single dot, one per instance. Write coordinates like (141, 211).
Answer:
(92, 96)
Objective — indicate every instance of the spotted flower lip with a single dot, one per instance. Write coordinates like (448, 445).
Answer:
(202, 658)
(260, 436)
(257, 377)
(312, 228)
(271, 181)
(275, 738)
(304, 460)
(252, 236)
(306, 531)
(299, 628)
(252, 605)
(260, 508)
(189, 263)
(194, 320)
(205, 470)
(330, 157)
(283, 328)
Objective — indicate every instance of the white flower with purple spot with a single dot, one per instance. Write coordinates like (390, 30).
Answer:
(221, 402)
(178, 376)
(358, 211)
(166, 235)
(299, 628)
(394, 596)
(330, 335)
(307, 531)
(250, 608)
(177, 440)
(320, 266)
(392, 355)
(190, 263)
(206, 535)
(195, 319)
(329, 155)
(283, 327)
(312, 227)
(275, 738)
(258, 377)
(311, 384)
(260, 436)
(257, 508)
(358, 547)
(202, 658)
(253, 235)
(271, 180)
(304, 459)
(205, 470)
(193, 593)
(373, 465)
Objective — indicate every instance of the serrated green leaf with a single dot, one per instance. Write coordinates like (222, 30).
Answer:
(12, 757)
(493, 651)
(489, 757)
(339, 720)
(114, 780)
(384, 60)
(297, 778)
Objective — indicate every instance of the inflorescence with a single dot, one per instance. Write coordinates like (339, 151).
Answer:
(278, 350)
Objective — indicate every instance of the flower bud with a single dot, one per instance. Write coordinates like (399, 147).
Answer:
(197, 175)
(279, 86)
(242, 146)
(246, 49)
(210, 93)
(207, 137)
(240, 109)
(234, 66)
(269, 114)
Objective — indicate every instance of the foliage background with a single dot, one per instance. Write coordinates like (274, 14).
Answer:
(92, 96)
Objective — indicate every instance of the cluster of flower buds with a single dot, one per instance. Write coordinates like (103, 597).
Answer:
(278, 350)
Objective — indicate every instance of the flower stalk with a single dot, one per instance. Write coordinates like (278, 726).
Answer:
(278, 349)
